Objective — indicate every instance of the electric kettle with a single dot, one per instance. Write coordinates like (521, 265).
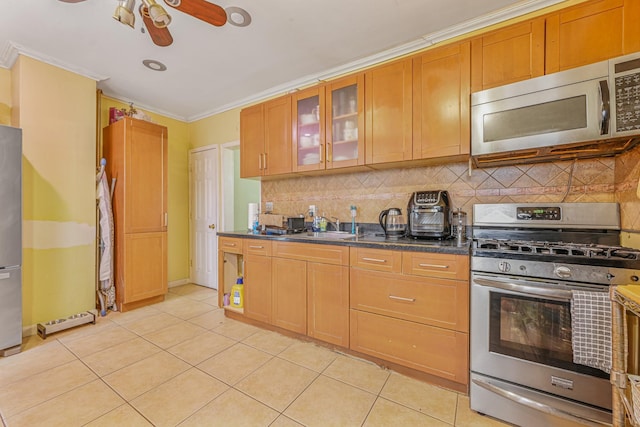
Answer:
(392, 222)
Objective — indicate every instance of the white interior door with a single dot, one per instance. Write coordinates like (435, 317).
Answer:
(203, 189)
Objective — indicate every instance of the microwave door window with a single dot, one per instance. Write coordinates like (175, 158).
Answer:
(539, 119)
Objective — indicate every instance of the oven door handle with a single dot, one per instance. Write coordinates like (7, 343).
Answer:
(530, 290)
(522, 400)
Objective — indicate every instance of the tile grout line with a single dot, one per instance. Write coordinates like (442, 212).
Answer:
(126, 401)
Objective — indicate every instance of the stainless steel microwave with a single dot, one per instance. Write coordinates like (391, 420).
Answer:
(588, 111)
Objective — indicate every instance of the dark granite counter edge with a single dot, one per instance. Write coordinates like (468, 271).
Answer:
(374, 242)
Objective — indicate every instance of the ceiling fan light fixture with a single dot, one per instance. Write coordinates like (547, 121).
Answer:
(154, 65)
(158, 15)
(238, 16)
(124, 12)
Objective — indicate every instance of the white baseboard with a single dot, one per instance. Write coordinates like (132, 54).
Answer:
(27, 331)
(180, 282)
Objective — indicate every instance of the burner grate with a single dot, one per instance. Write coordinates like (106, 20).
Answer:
(577, 250)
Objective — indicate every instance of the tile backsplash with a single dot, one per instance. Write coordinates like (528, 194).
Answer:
(592, 180)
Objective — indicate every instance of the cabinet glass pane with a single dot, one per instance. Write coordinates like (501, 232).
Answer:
(344, 120)
(308, 131)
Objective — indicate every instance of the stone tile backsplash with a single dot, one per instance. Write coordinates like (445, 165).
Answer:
(592, 180)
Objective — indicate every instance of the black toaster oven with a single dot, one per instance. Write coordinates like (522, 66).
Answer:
(429, 215)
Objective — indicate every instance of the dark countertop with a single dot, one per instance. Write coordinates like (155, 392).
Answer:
(369, 240)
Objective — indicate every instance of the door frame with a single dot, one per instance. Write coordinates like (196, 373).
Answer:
(226, 183)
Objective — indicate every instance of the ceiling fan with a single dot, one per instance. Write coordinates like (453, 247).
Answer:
(156, 19)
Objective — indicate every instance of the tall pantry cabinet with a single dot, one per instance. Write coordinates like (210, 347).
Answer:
(136, 153)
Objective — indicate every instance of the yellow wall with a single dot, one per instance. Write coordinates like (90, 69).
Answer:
(56, 111)
(5, 96)
(217, 129)
(178, 197)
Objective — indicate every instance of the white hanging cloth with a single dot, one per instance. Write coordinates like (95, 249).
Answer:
(105, 276)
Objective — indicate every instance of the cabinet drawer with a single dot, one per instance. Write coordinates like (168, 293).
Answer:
(429, 264)
(437, 351)
(326, 254)
(257, 247)
(230, 244)
(432, 301)
(377, 259)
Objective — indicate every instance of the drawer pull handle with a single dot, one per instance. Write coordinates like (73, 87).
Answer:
(433, 266)
(374, 259)
(230, 244)
(256, 247)
(402, 298)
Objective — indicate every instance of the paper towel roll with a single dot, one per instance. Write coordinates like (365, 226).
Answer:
(252, 216)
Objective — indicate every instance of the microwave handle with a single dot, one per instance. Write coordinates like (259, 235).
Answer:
(605, 107)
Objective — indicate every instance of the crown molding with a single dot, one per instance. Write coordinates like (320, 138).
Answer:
(423, 42)
(12, 50)
(144, 107)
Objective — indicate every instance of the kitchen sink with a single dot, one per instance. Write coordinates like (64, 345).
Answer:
(327, 235)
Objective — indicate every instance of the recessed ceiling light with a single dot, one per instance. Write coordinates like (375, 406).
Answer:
(238, 16)
(154, 65)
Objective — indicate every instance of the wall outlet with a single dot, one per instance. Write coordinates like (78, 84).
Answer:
(268, 206)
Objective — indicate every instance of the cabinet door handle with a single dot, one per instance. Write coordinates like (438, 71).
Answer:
(402, 298)
(256, 247)
(230, 244)
(260, 161)
(264, 160)
(329, 154)
(433, 266)
(374, 260)
(166, 219)
(322, 153)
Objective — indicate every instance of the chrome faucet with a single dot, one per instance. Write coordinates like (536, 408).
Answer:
(335, 225)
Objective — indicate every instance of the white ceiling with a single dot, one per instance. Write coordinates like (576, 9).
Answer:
(289, 44)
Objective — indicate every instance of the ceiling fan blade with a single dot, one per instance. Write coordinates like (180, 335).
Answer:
(159, 36)
(201, 9)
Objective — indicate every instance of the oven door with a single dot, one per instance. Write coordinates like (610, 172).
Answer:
(521, 333)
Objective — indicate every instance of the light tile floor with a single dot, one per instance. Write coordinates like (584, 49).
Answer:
(182, 362)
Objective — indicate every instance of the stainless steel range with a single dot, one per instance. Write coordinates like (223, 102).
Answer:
(529, 262)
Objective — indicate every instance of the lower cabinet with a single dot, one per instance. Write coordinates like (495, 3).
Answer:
(438, 351)
(146, 278)
(257, 287)
(412, 308)
(311, 290)
(289, 297)
(328, 303)
(408, 308)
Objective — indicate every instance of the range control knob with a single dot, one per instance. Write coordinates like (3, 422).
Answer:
(504, 266)
(563, 272)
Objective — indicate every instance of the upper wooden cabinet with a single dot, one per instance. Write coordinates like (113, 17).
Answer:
(388, 107)
(441, 102)
(508, 55)
(592, 32)
(344, 110)
(265, 138)
(308, 129)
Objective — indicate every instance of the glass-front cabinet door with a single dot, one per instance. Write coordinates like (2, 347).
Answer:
(308, 129)
(345, 123)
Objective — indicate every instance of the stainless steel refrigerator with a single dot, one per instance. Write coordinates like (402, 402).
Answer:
(10, 240)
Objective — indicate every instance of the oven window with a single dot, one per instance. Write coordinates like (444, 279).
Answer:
(534, 329)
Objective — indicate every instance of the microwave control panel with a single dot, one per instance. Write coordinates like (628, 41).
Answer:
(627, 96)
(539, 213)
